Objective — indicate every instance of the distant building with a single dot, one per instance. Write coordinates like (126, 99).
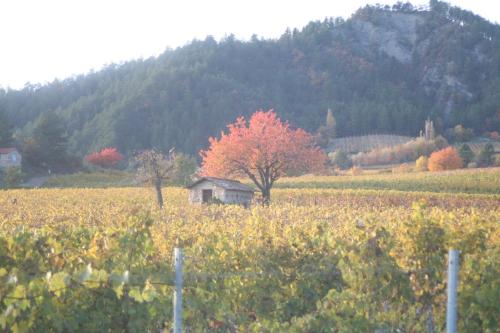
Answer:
(209, 189)
(9, 157)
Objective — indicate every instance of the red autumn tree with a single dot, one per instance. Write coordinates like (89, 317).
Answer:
(445, 159)
(106, 158)
(262, 149)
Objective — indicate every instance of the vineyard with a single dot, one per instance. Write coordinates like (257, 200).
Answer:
(355, 144)
(477, 146)
(316, 260)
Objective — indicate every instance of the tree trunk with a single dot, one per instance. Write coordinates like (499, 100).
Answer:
(266, 196)
(159, 196)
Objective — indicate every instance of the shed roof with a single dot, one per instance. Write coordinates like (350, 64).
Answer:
(7, 150)
(228, 184)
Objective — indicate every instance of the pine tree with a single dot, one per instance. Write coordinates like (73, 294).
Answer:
(466, 154)
(47, 146)
(5, 130)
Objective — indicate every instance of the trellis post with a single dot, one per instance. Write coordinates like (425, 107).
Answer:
(451, 309)
(177, 299)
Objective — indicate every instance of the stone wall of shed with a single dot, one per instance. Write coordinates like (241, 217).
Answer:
(196, 192)
(227, 196)
(238, 197)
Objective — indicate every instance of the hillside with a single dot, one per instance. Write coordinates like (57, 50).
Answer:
(384, 70)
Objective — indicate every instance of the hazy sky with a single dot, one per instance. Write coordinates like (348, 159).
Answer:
(44, 40)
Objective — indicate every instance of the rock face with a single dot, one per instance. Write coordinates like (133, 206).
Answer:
(406, 38)
(395, 35)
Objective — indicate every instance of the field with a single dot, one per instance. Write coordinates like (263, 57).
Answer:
(330, 254)
(458, 181)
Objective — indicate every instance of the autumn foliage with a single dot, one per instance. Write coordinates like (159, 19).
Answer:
(421, 164)
(262, 149)
(445, 159)
(106, 158)
(405, 152)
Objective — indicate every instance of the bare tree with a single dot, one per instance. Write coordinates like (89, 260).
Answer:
(154, 167)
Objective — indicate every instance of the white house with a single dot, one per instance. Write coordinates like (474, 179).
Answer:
(228, 191)
(9, 157)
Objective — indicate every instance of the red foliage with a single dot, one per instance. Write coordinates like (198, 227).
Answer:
(445, 159)
(106, 158)
(263, 149)
(494, 135)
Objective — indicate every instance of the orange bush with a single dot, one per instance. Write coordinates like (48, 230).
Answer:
(445, 159)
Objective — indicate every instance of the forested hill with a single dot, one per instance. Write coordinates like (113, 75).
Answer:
(384, 70)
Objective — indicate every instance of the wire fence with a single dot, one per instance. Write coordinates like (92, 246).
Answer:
(190, 279)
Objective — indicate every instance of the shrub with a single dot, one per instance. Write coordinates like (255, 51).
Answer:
(496, 161)
(402, 168)
(341, 160)
(106, 158)
(494, 136)
(440, 142)
(462, 134)
(485, 157)
(421, 163)
(406, 152)
(13, 177)
(355, 171)
(184, 167)
(445, 159)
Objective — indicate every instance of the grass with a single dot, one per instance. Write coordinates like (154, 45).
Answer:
(480, 181)
(111, 178)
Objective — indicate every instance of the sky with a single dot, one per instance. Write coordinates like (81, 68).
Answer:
(44, 40)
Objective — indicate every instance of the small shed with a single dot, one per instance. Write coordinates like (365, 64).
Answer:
(227, 191)
(9, 157)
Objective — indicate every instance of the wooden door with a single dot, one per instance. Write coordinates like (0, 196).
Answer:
(206, 195)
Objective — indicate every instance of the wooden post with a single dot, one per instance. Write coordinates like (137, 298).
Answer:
(451, 309)
(177, 299)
